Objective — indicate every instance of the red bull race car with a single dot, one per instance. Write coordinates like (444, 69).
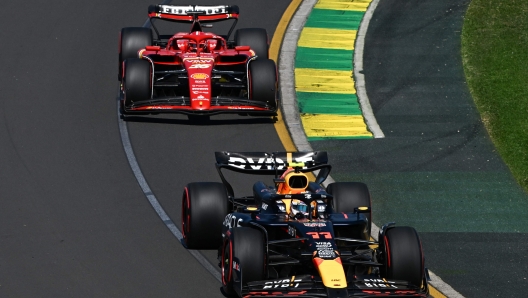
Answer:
(196, 72)
(294, 238)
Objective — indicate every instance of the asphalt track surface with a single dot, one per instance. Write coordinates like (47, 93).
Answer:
(436, 169)
(73, 219)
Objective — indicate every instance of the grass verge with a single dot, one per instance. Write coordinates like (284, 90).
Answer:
(495, 56)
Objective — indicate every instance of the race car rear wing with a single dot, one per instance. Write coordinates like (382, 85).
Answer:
(276, 163)
(194, 14)
(190, 13)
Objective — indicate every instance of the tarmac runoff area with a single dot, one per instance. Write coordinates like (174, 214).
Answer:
(436, 168)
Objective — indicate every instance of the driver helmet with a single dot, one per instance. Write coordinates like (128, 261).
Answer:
(299, 209)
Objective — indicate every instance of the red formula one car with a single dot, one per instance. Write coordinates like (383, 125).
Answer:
(196, 72)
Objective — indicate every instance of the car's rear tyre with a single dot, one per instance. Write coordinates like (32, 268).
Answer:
(132, 39)
(351, 195)
(402, 255)
(263, 82)
(256, 39)
(137, 80)
(204, 208)
(248, 246)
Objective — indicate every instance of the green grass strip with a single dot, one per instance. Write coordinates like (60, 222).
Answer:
(495, 56)
(324, 58)
(328, 103)
(334, 19)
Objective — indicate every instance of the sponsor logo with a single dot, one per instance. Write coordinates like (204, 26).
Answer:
(239, 108)
(379, 283)
(261, 163)
(199, 60)
(200, 97)
(200, 76)
(242, 163)
(323, 244)
(291, 231)
(200, 66)
(200, 81)
(200, 92)
(200, 89)
(315, 224)
(199, 86)
(158, 108)
(283, 283)
(231, 221)
(264, 206)
(326, 253)
(236, 266)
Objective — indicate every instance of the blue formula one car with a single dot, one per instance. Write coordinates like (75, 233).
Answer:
(294, 238)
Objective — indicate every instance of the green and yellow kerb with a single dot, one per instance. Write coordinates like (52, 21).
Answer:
(324, 82)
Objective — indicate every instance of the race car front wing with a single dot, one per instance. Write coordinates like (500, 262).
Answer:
(308, 286)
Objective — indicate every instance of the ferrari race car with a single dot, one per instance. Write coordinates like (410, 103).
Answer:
(196, 72)
(294, 238)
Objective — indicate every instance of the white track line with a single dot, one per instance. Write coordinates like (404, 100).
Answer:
(363, 99)
(289, 99)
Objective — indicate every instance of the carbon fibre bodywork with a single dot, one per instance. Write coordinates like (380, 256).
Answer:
(326, 253)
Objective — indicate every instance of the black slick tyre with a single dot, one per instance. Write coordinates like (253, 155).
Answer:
(131, 40)
(204, 207)
(256, 39)
(402, 255)
(247, 245)
(137, 80)
(351, 195)
(263, 82)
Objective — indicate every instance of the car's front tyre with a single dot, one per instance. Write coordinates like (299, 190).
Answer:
(402, 255)
(243, 251)
(137, 80)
